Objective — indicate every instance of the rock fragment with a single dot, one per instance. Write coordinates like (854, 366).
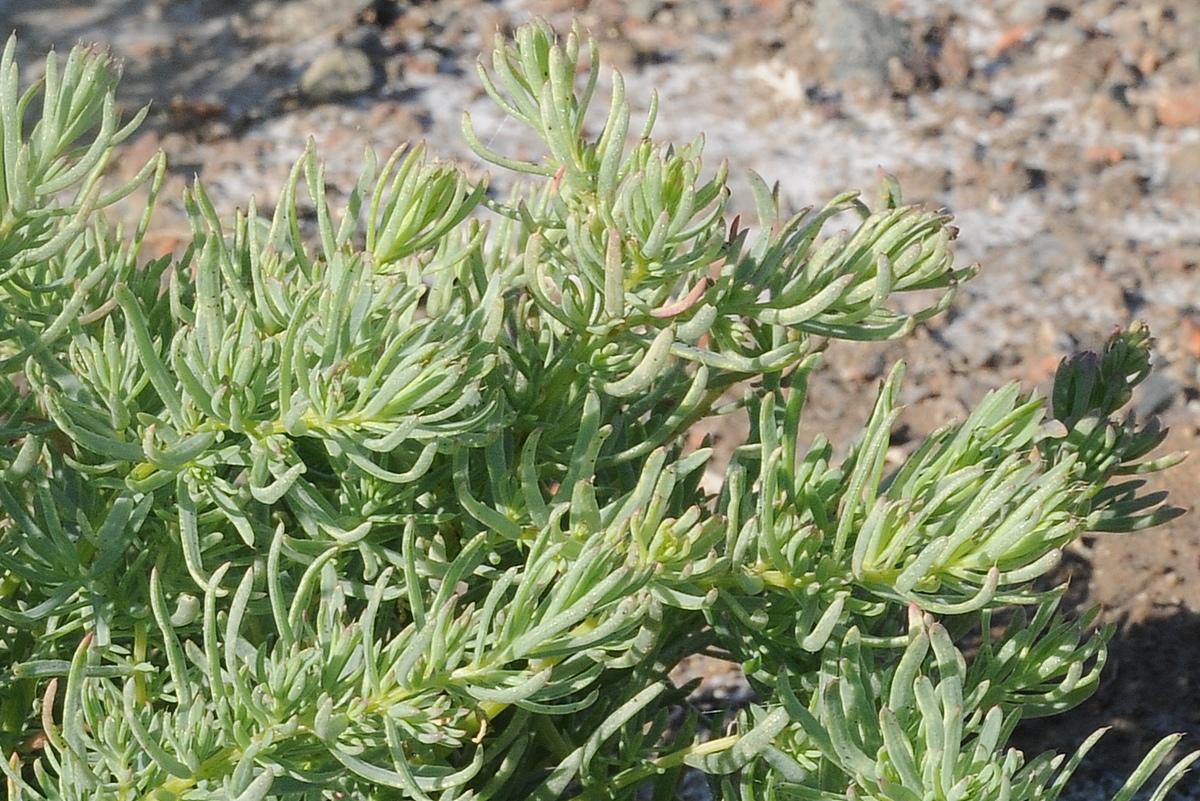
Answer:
(864, 40)
(337, 74)
(1178, 108)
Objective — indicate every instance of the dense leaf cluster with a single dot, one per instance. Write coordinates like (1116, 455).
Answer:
(401, 506)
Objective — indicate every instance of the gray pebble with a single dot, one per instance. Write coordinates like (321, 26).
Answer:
(1028, 11)
(863, 39)
(336, 74)
(644, 10)
(703, 12)
(1156, 394)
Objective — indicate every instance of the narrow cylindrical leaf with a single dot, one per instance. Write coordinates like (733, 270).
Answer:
(650, 367)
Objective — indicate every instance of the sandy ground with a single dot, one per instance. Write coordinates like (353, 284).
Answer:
(1064, 136)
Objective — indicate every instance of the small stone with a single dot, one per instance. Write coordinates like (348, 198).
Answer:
(1092, 64)
(1119, 187)
(1104, 155)
(1112, 114)
(1179, 108)
(702, 12)
(339, 73)
(902, 79)
(1183, 165)
(1146, 119)
(953, 65)
(1008, 39)
(1156, 394)
(644, 11)
(863, 39)
(620, 51)
(1148, 61)
(1191, 337)
(1027, 11)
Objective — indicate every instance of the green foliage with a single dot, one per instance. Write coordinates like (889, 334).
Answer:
(403, 509)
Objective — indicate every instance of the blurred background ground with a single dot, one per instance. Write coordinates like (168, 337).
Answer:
(1065, 138)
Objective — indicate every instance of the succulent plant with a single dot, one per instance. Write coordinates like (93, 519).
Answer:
(404, 508)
